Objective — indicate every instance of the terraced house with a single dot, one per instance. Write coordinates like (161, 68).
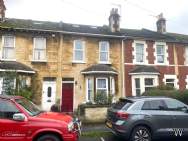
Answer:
(155, 58)
(74, 63)
(62, 62)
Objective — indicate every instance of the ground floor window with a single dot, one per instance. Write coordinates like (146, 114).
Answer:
(7, 85)
(102, 85)
(149, 83)
(171, 80)
(89, 90)
(99, 87)
(142, 83)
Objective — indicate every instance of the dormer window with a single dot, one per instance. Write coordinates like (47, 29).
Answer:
(8, 47)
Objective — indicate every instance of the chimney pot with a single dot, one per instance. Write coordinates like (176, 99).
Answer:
(114, 20)
(161, 24)
(2, 11)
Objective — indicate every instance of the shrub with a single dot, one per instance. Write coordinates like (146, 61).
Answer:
(101, 98)
(169, 92)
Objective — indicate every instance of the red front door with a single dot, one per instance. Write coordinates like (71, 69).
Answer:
(67, 97)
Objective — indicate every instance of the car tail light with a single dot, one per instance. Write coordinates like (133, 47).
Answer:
(122, 115)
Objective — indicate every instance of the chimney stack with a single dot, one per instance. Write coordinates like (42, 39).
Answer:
(2, 11)
(114, 20)
(161, 24)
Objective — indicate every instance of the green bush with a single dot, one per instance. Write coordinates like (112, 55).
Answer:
(101, 98)
(168, 92)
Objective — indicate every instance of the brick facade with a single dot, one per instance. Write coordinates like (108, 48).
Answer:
(176, 59)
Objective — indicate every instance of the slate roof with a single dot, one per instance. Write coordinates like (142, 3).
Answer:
(99, 68)
(144, 70)
(67, 28)
(180, 37)
(15, 66)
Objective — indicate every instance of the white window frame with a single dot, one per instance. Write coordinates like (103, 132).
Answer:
(83, 50)
(34, 48)
(186, 55)
(166, 62)
(145, 61)
(112, 86)
(142, 82)
(102, 88)
(1, 84)
(186, 80)
(87, 84)
(108, 52)
(14, 47)
(167, 76)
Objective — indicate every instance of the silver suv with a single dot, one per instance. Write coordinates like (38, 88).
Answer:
(145, 118)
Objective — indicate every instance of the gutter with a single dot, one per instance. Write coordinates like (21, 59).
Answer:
(67, 32)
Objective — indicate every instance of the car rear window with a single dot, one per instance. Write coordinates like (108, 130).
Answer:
(122, 104)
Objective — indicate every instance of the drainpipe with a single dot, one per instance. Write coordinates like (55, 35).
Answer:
(176, 62)
(59, 88)
(123, 67)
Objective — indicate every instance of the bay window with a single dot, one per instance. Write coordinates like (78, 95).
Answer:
(102, 85)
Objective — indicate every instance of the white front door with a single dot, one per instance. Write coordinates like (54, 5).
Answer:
(48, 94)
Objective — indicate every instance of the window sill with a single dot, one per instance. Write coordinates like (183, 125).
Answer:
(107, 63)
(39, 61)
(78, 62)
(8, 59)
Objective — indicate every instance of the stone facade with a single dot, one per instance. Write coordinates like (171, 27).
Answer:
(59, 64)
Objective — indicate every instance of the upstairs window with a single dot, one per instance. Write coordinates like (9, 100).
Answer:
(8, 47)
(104, 52)
(79, 48)
(160, 53)
(139, 53)
(39, 49)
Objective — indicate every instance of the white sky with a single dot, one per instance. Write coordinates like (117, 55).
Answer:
(136, 14)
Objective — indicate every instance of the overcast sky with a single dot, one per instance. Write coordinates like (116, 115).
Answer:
(135, 14)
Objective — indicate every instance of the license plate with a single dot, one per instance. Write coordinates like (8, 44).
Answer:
(109, 124)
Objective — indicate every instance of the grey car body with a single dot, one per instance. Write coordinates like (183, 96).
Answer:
(161, 116)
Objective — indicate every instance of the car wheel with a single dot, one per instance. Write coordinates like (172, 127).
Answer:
(141, 133)
(48, 137)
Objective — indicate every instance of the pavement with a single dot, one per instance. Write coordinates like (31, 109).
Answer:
(94, 127)
(102, 128)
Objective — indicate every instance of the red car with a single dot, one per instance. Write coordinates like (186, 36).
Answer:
(21, 120)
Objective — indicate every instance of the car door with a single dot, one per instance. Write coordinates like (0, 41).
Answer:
(159, 118)
(178, 111)
(11, 130)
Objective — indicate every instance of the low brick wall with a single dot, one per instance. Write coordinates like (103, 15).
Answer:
(93, 113)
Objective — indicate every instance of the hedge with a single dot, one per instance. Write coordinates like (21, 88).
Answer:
(181, 95)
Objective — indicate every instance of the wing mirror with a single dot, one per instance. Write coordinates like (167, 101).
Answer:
(19, 117)
(185, 109)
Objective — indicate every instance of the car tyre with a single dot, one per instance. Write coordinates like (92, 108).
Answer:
(48, 137)
(140, 133)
